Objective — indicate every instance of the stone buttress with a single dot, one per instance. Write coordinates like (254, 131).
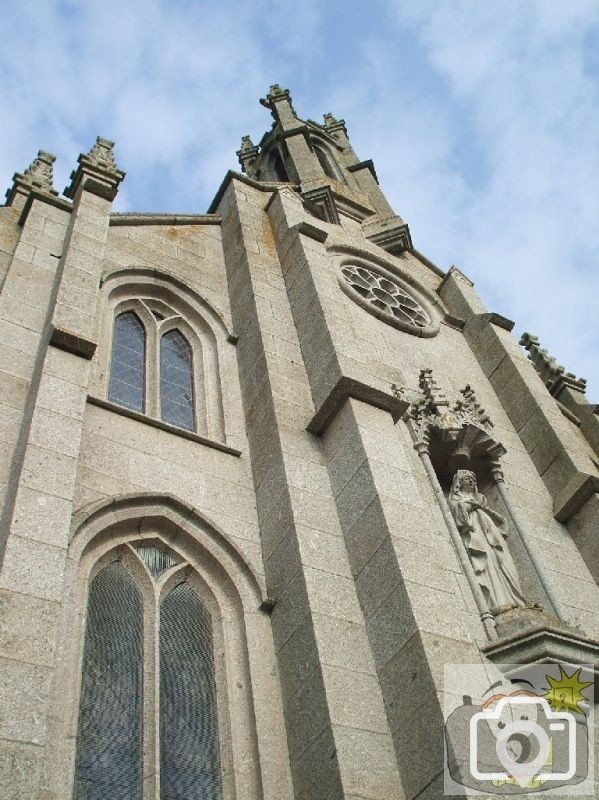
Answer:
(343, 395)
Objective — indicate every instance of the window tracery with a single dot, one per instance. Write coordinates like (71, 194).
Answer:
(385, 297)
(158, 544)
(152, 366)
(147, 637)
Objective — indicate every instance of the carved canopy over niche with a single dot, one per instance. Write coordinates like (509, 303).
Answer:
(459, 432)
(387, 297)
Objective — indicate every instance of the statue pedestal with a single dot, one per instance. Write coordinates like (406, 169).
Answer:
(531, 636)
(515, 621)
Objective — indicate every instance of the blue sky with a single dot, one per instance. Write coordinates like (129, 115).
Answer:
(482, 118)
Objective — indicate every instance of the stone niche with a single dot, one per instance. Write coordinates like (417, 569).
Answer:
(519, 609)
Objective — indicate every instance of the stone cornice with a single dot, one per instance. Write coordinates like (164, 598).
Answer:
(73, 343)
(428, 263)
(544, 644)
(451, 272)
(141, 218)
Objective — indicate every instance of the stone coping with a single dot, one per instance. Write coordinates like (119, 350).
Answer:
(346, 388)
(142, 218)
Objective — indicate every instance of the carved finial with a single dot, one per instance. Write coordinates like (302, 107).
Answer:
(275, 97)
(470, 404)
(102, 155)
(246, 145)
(431, 390)
(97, 171)
(247, 155)
(277, 93)
(553, 375)
(464, 426)
(38, 175)
(333, 125)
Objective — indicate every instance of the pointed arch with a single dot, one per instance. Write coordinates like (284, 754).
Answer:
(176, 380)
(231, 658)
(279, 168)
(143, 276)
(273, 166)
(161, 301)
(189, 748)
(139, 516)
(325, 163)
(128, 362)
(326, 159)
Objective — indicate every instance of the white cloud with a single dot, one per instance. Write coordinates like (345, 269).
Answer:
(482, 119)
(526, 226)
(166, 80)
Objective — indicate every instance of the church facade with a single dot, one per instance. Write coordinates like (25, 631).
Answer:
(265, 472)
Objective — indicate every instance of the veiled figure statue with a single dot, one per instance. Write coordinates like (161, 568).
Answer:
(484, 536)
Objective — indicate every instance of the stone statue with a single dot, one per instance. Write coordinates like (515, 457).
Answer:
(483, 533)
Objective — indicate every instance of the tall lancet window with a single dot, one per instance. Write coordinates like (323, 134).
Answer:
(148, 721)
(325, 163)
(164, 365)
(189, 758)
(127, 368)
(176, 380)
(109, 752)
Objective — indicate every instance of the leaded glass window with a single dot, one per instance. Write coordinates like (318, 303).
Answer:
(127, 367)
(156, 559)
(122, 735)
(109, 752)
(176, 380)
(152, 365)
(189, 756)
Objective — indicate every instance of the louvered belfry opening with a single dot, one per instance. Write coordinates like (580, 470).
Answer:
(109, 751)
(189, 752)
(111, 761)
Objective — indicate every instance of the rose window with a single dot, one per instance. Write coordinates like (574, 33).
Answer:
(385, 295)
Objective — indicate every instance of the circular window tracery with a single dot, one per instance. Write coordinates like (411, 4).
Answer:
(386, 295)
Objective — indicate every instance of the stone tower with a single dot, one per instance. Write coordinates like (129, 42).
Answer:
(266, 471)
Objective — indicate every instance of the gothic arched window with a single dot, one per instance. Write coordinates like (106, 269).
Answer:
(176, 380)
(148, 721)
(325, 163)
(127, 369)
(189, 758)
(279, 167)
(109, 762)
(157, 365)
